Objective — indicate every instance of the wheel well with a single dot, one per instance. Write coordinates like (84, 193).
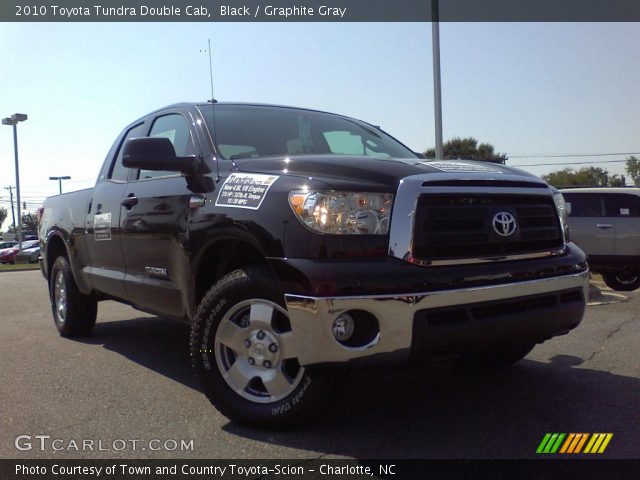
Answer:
(221, 258)
(55, 249)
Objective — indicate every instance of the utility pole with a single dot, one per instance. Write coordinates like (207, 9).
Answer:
(437, 88)
(13, 215)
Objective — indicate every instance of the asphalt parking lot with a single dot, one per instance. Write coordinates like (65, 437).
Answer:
(131, 380)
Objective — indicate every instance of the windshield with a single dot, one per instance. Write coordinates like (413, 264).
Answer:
(250, 131)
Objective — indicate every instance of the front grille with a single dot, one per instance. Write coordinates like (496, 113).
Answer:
(454, 226)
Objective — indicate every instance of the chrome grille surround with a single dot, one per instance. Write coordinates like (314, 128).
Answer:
(402, 229)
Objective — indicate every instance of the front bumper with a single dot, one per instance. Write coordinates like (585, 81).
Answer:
(440, 323)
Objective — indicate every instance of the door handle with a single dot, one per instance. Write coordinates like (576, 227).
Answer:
(604, 225)
(130, 201)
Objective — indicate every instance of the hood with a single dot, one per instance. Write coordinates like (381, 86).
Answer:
(378, 174)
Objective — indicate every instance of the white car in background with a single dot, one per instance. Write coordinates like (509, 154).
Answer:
(605, 223)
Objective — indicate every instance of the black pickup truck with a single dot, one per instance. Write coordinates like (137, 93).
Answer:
(293, 240)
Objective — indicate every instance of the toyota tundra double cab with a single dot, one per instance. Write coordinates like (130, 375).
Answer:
(294, 241)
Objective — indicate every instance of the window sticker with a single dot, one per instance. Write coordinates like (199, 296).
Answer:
(102, 226)
(624, 212)
(245, 190)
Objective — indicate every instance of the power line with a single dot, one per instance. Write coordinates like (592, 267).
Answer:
(566, 163)
(567, 155)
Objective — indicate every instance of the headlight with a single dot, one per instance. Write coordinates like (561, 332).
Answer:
(343, 213)
(561, 206)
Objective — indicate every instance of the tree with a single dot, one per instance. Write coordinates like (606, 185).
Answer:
(3, 216)
(29, 223)
(468, 149)
(585, 177)
(633, 169)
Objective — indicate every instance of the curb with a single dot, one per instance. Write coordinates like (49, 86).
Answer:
(2, 270)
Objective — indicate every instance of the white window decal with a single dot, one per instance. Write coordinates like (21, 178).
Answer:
(102, 226)
(245, 190)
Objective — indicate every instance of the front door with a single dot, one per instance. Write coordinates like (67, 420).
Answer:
(155, 226)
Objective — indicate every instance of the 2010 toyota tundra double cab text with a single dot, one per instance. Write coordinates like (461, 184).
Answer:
(292, 240)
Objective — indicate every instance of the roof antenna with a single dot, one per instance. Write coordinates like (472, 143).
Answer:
(213, 113)
(213, 98)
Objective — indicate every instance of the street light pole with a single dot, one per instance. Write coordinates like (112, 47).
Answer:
(59, 179)
(437, 88)
(13, 121)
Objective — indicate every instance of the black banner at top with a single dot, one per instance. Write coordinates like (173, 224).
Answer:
(319, 11)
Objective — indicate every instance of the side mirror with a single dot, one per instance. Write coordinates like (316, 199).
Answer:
(420, 155)
(155, 153)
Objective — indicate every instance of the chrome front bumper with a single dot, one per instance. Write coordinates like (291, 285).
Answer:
(312, 317)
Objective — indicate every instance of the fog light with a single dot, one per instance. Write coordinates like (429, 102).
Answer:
(343, 327)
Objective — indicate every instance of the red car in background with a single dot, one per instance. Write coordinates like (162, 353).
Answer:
(8, 255)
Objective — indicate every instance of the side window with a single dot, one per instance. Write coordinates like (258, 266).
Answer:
(175, 128)
(118, 171)
(585, 204)
(622, 205)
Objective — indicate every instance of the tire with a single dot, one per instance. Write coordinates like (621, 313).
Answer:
(244, 357)
(500, 357)
(622, 281)
(74, 313)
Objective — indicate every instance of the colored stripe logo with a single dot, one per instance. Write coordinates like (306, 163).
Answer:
(574, 443)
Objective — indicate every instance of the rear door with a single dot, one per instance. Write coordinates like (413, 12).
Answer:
(102, 224)
(155, 224)
(589, 227)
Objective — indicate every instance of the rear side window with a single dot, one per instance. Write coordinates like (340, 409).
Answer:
(118, 171)
(585, 204)
(622, 205)
(175, 128)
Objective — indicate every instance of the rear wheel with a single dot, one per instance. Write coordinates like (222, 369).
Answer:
(622, 281)
(74, 313)
(244, 355)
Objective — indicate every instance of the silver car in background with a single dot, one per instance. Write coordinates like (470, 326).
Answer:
(605, 223)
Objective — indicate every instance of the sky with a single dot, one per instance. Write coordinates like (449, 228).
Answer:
(530, 89)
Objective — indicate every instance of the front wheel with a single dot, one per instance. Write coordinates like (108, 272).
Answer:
(244, 354)
(622, 281)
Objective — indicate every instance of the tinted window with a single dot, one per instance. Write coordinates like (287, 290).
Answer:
(621, 205)
(243, 131)
(118, 171)
(584, 204)
(175, 128)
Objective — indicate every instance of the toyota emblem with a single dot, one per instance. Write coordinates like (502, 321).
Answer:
(504, 224)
